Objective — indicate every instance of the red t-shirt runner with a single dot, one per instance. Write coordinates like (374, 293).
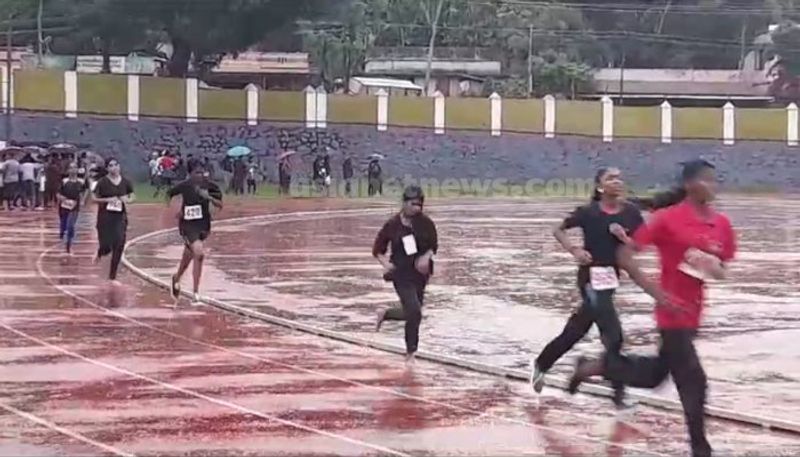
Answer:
(674, 231)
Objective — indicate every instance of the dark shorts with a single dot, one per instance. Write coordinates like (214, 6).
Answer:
(11, 190)
(192, 234)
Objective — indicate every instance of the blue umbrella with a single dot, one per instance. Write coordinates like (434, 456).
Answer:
(239, 151)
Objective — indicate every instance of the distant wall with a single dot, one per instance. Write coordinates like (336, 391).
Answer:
(423, 137)
(421, 153)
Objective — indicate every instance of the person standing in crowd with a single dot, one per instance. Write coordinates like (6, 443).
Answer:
(694, 243)
(607, 222)
(347, 174)
(239, 176)
(414, 241)
(11, 181)
(113, 193)
(252, 174)
(71, 196)
(198, 194)
(374, 177)
(318, 170)
(28, 169)
(2, 179)
(53, 178)
(152, 165)
(284, 176)
(166, 166)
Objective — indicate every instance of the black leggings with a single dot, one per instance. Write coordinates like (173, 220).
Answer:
(411, 296)
(597, 307)
(112, 241)
(676, 356)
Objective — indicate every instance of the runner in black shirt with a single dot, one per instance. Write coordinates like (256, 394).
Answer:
(113, 193)
(197, 194)
(413, 239)
(607, 221)
(71, 195)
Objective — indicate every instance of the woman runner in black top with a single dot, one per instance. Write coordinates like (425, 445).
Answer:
(113, 193)
(71, 196)
(607, 221)
(413, 239)
(197, 194)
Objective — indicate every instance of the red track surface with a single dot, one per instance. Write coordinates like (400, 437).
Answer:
(146, 379)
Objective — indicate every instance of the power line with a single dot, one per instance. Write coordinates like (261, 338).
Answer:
(600, 35)
(632, 8)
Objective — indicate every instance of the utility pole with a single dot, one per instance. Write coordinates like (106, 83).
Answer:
(7, 95)
(530, 60)
(39, 35)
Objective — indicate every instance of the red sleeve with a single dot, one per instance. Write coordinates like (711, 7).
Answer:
(651, 232)
(728, 242)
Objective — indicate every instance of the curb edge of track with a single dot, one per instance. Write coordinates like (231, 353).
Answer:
(516, 375)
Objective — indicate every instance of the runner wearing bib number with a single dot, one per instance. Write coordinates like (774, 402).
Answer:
(413, 240)
(70, 195)
(606, 223)
(112, 194)
(198, 194)
(694, 242)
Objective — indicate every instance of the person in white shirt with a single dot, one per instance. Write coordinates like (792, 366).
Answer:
(28, 169)
(11, 181)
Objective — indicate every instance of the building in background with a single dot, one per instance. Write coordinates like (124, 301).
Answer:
(455, 72)
(268, 70)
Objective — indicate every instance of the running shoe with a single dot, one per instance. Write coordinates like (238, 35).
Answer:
(196, 299)
(175, 290)
(537, 379)
(577, 376)
(410, 358)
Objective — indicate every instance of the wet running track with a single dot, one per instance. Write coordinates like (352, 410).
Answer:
(81, 378)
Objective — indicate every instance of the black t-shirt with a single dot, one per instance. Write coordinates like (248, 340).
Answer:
(195, 210)
(424, 239)
(112, 212)
(597, 237)
(73, 190)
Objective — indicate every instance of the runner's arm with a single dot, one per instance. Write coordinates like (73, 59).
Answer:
(627, 261)
(129, 196)
(215, 195)
(560, 231)
(379, 247)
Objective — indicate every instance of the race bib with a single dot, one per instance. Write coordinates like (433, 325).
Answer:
(114, 206)
(92, 185)
(192, 213)
(68, 204)
(686, 267)
(410, 244)
(603, 278)
(327, 180)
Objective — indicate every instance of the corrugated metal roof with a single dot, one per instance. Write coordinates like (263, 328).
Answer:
(387, 82)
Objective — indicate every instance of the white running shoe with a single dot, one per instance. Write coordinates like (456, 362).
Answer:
(537, 379)
(196, 299)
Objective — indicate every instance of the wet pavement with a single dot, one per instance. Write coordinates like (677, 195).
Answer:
(143, 378)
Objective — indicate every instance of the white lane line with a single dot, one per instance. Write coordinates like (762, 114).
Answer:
(56, 428)
(297, 368)
(200, 396)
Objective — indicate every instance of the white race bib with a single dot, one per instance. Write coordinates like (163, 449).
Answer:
(603, 278)
(114, 206)
(192, 213)
(68, 204)
(410, 244)
(686, 268)
(92, 185)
